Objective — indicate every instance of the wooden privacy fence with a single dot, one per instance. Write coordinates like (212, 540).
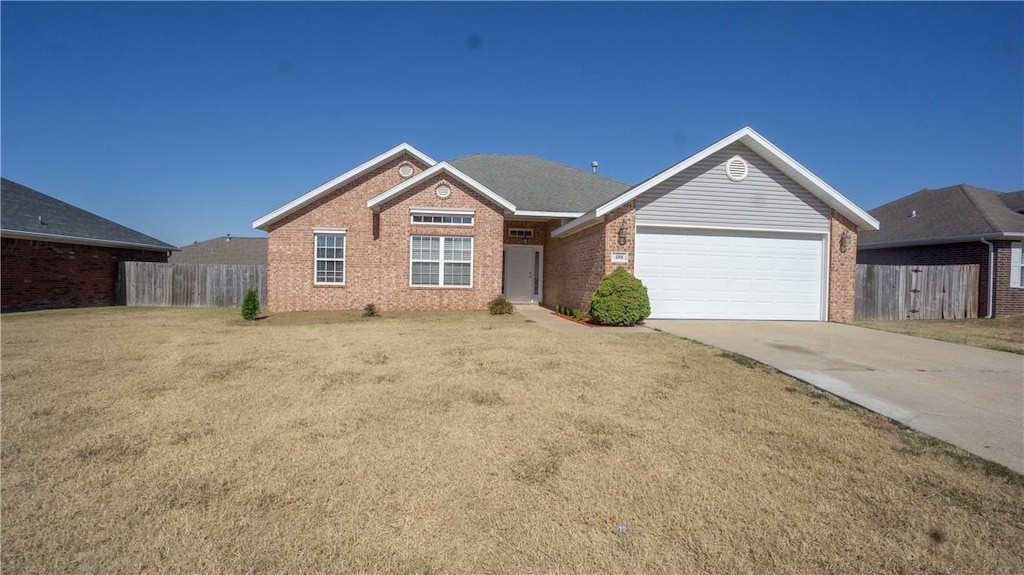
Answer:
(189, 285)
(917, 292)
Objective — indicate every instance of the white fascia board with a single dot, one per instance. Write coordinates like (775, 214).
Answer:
(760, 145)
(62, 239)
(579, 224)
(550, 215)
(348, 176)
(940, 241)
(452, 171)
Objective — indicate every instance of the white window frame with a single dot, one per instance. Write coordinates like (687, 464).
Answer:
(1016, 264)
(520, 233)
(441, 213)
(317, 232)
(441, 261)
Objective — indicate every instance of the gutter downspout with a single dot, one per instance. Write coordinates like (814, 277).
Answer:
(991, 273)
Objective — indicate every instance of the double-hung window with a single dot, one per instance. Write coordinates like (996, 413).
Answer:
(441, 261)
(330, 257)
(1016, 265)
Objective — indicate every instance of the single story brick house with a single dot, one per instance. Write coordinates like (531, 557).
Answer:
(56, 255)
(960, 224)
(738, 230)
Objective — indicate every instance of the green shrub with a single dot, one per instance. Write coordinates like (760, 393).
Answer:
(579, 314)
(620, 299)
(500, 306)
(251, 304)
(370, 310)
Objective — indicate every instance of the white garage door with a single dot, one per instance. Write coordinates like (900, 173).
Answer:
(730, 275)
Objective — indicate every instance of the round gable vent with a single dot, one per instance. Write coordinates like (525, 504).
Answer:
(443, 191)
(736, 168)
(405, 170)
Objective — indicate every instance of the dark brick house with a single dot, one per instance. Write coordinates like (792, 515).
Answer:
(56, 255)
(960, 224)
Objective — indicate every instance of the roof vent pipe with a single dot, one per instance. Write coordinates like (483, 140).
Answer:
(229, 237)
(913, 213)
(593, 166)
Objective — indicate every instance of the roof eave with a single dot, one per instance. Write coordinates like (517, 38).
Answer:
(940, 241)
(578, 225)
(403, 148)
(62, 239)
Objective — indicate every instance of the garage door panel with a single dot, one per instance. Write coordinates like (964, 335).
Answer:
(730, 275)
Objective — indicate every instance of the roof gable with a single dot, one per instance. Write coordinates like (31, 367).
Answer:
(762, 147)
(378, 201)
(30, 214)
(537, 184)
(955, 213)
(354, 173)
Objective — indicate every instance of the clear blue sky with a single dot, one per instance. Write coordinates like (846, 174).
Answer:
(189, 120)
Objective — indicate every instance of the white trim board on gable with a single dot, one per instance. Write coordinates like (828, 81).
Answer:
(762, 147)
(377, 201)
(341, 180)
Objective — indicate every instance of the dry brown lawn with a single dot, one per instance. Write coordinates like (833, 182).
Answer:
(177, 440)
(1002, 334)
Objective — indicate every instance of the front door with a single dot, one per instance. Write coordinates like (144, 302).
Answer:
(523, 273)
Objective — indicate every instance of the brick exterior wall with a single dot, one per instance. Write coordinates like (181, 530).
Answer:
(46, 275)
(575, 264)
(377, 249)
(1006, 300)
(842, 270)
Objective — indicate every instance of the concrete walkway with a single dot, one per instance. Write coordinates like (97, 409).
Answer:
(551, 321)
(968, 396)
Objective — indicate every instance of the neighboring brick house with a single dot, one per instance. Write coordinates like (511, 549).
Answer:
(739, 230)
(960, 224)
(56, 255)
(223, 250)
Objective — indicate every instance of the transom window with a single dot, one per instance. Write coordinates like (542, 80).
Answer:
(441, 261)
(456, 219)
(330, 257)
(520, 233)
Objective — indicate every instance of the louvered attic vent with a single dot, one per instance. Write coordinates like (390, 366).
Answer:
(736, 168)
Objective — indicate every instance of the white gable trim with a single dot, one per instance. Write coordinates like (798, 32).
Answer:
(340, 181)
(763, 148)
(376, 201)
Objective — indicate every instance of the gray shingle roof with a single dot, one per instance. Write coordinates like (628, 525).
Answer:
(955, 212)
(28, 213)
(536, 184)
(239, 251)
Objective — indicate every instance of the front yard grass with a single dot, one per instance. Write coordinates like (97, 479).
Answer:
(190, 441)
(1002, 334)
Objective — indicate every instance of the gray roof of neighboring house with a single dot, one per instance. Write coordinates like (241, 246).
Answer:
(948, 214)
(224, 250)
(536, 184)
(31, 214)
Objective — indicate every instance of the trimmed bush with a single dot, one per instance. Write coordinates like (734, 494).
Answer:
(251, 304)
(370, 310)
(620, 299)
(500, 306)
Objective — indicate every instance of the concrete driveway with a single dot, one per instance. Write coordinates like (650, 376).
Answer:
(968, 396)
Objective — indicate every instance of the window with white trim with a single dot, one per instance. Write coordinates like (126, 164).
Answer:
(455, 219)
(1016, 264)
(520, 233)
(441, 261)
(330, 258)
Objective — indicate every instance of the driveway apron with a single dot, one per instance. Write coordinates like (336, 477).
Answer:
(968, 396)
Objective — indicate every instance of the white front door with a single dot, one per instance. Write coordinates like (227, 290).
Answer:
(524, 267)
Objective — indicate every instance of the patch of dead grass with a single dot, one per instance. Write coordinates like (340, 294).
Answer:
(1001, 334)
(458, 443)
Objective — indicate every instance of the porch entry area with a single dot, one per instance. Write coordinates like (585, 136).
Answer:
(523, 279)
